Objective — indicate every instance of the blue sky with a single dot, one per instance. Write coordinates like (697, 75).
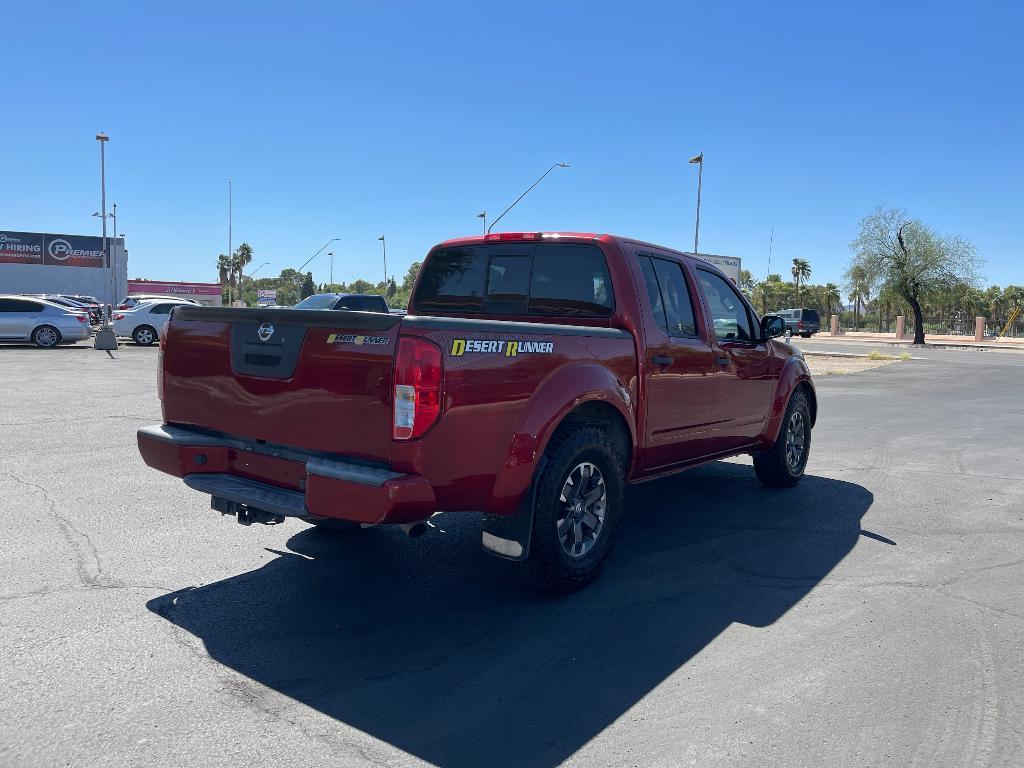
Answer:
(407, 119)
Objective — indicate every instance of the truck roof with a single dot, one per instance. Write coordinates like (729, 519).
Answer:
(495, 237)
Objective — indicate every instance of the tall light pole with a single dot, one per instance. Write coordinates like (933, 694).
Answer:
(331, 254)
(483, 215)
(384, 245)
(102, 138)
(230, 256)
(699, 160)
(538, 181)
(112, 216)
(105, 338)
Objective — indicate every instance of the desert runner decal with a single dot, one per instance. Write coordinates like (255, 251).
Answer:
(507, 347)
(348, 338)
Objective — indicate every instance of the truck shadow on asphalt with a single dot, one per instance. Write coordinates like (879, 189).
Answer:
(429, 645)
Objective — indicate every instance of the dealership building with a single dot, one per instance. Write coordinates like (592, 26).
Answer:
(40, 262)
(74, 265)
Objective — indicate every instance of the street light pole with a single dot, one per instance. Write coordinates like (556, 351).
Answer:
(699, 160)
(331, 254)
(384, 245)
(102, 138)
(483, 215)
(230, 256)
(105, 338)
(322, 249)
(487, 231)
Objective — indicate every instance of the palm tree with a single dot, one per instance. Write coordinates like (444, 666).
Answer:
(801, 271)
(832, 297)
(224, 273)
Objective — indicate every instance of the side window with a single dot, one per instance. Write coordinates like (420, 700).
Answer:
(728, 312)
(653, 292)
(161, 309)
(19, 305)
(675, 296)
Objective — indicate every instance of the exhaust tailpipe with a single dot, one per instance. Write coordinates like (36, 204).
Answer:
(414, 530)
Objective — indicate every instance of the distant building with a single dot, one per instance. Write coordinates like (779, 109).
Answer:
(40, 262)
(207, 294)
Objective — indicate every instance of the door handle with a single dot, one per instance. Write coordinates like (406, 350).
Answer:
(722, 361)
(659, 360)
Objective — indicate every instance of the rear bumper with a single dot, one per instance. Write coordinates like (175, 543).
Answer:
(285, 481)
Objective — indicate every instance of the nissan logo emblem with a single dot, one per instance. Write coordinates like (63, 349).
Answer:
(265, 331)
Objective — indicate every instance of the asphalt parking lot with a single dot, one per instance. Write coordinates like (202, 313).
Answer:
(872, 616)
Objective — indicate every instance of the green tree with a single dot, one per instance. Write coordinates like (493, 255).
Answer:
(859, 286)
(747, 282)
(832, 299)
(801, 271)
(308, 288)
(911, 260)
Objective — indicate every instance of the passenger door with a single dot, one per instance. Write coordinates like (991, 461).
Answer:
(745, 380)
(18, 318)
(677, 366)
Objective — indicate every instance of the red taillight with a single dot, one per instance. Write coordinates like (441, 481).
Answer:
(82, 318)
(160, 370)
(417, 393)
(119, 316)
(799, 325)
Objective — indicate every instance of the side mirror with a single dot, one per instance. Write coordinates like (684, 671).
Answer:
(772, 326)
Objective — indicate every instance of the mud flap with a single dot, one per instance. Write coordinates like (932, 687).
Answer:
(508, 536)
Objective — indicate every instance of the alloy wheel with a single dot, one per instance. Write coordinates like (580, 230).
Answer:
(796, 437)
(582, 504)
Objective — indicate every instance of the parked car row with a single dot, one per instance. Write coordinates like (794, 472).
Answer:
(48, 320)
(41, 321)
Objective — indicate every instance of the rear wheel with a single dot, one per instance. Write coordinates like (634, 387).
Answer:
(46, 337)
(144, 335)
(578, 503)
(783, 464)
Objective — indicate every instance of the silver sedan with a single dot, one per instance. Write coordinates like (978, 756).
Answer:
(43, 323)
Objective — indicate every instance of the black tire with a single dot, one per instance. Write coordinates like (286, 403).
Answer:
(46, 337)
(550, 566)
(782, 465)
(145, 335)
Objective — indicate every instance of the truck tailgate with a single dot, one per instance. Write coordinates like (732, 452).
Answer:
(319, 380)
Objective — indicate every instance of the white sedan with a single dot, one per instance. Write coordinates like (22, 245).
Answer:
(145, 323)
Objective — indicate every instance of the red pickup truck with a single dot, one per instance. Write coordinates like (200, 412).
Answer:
(534, 375)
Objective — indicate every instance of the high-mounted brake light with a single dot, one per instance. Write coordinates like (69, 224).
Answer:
(512, 236)
(417, 396)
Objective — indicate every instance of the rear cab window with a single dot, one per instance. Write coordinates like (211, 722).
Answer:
(546, 279)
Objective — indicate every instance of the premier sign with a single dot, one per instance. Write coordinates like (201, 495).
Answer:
(43, 249)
